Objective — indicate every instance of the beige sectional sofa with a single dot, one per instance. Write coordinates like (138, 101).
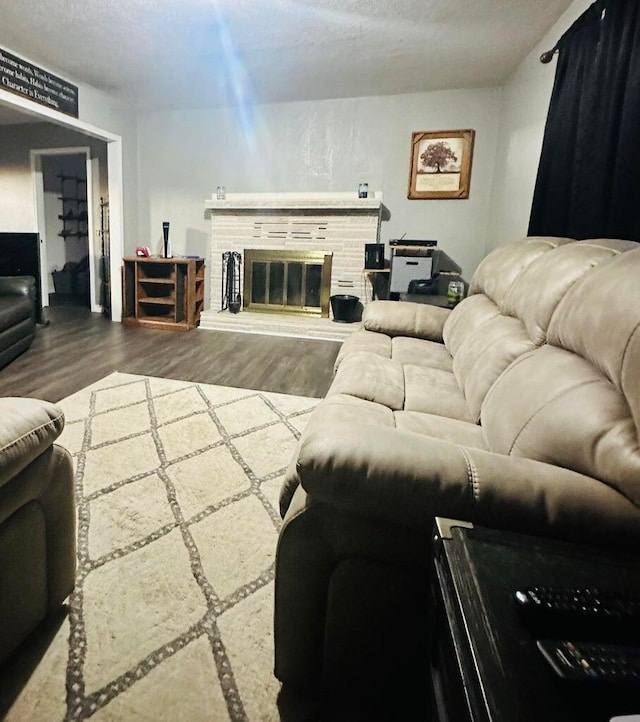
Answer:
(519, 409)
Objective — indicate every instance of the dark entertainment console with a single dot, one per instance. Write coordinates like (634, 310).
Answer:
(485, 665)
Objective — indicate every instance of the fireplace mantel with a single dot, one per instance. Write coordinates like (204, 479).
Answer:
(238, 202)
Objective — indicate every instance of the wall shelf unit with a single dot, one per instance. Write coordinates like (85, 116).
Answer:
(163, 293)
(74, 215)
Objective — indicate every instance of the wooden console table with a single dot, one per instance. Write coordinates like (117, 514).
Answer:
(163, 293)
(484, 663)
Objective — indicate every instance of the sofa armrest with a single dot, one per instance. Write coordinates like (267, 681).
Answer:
(29, 426)
(18, 286)
(408, 479)
(401, 318)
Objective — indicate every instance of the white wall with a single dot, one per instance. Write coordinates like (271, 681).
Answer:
(523, 115)
(315, 146)
(105, 112)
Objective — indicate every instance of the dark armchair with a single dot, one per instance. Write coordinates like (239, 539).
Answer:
(17, 316)
(37, 518)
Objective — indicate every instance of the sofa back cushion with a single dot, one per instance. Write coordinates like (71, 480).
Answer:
(497, 271)
(542, 285)
(487, 351)
(515, 291)
(575, 401)
(481, 338)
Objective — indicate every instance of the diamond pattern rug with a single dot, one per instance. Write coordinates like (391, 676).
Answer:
(171, 618)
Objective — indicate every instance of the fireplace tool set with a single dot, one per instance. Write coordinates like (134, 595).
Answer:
(231, 296)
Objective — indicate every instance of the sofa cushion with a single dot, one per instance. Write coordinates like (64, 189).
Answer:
(397, 319)
(434, 391)
(440, 427)
(418, 352)
(578, 397)
(29, 426)
(510, 313)
(348, 409)
(555, 273)
(597, 321)
(488, 352)
(480, 335)
(397, 476)
(372, 378)
(467, 317)
(364, 341)
(334, 411)
(497, 271)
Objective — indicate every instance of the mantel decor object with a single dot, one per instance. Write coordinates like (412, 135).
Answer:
(440, 164)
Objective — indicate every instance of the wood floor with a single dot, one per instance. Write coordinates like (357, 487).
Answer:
(78, 348)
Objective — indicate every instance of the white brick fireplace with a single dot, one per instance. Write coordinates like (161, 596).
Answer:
(338, 223)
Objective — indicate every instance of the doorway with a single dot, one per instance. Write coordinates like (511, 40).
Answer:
(112, 174)
(68, 187)
(65, 235)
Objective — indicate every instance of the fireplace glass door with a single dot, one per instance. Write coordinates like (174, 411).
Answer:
(287, 281)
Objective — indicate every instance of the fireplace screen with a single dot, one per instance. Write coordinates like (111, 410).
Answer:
(287, 281)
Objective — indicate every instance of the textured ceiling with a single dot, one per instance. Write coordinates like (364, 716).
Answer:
(197, 53)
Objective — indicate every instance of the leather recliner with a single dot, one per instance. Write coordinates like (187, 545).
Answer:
(37, 518)
(17, 316)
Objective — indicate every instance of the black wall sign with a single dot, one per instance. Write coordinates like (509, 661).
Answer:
(22, 78)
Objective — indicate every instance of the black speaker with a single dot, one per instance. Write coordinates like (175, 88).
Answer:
(373, 255)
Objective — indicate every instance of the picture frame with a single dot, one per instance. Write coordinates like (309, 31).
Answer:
(441, 164)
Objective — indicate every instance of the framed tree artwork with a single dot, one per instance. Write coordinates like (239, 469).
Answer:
(441, 164)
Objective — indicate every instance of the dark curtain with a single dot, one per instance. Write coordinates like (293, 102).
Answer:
(588, 183)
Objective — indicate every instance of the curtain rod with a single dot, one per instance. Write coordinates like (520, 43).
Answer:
(547, 56)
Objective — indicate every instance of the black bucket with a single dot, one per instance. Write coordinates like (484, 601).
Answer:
(343, 307)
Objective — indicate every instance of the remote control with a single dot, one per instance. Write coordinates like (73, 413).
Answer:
(592, 662)
(582, 613)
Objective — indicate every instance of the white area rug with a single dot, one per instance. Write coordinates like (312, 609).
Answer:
(171, 618)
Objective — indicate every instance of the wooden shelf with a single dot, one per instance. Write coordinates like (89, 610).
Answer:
(163, 293)
(157, 301)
